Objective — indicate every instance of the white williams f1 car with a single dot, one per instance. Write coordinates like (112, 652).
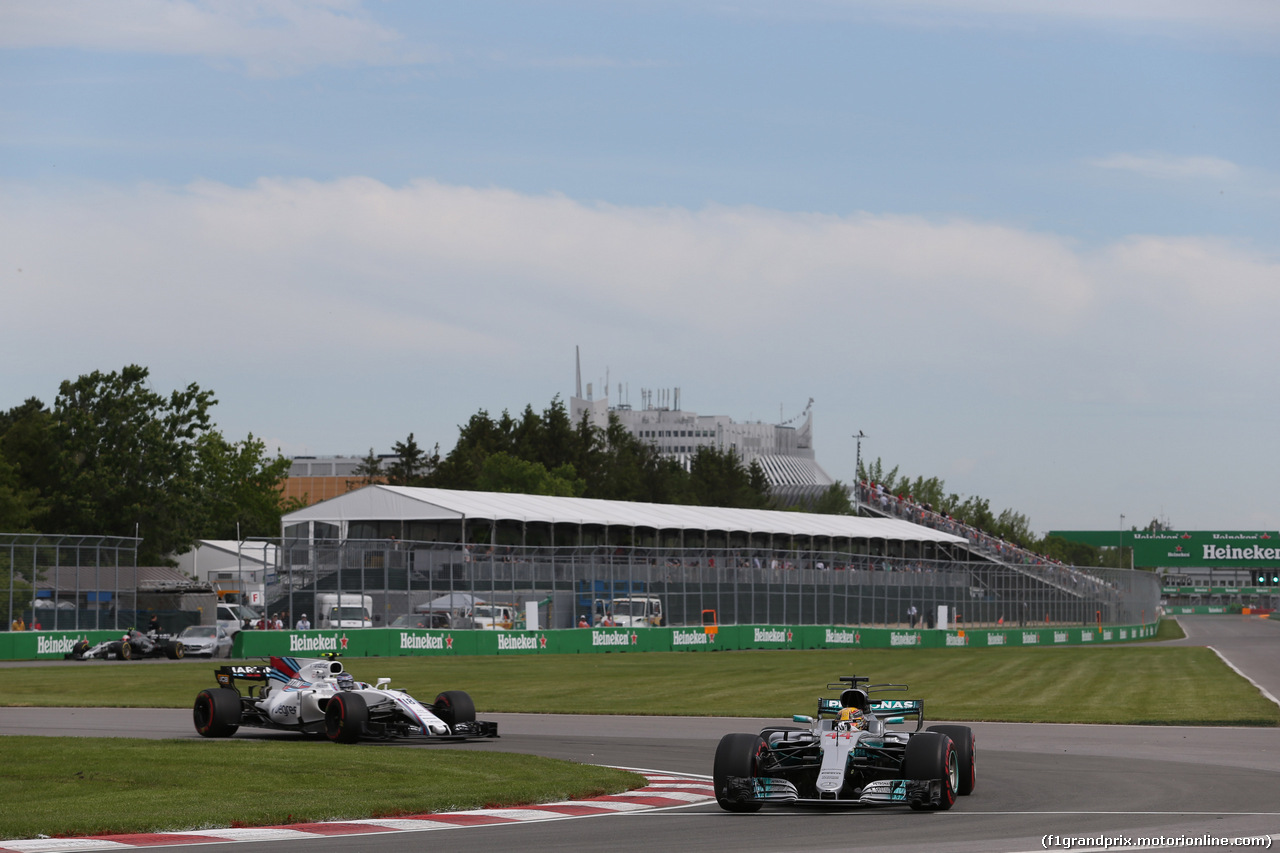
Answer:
(316, 696)
(847, 757)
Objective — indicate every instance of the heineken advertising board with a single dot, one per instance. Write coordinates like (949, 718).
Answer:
(1216, 549)
(393, 642)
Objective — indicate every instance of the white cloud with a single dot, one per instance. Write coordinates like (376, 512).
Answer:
(268, 36)
(432, 267)
(1168, 167)
(1242, 17)
(342, 314)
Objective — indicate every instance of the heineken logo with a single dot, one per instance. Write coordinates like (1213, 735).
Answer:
(689, 638)
(851, 638)
(772, 635)
(613, 638)
(521, 642)
(421, 641)
(300, 643)
(55, 645)
(1252, 552)
(902, 638)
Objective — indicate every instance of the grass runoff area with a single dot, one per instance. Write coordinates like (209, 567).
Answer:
(1123, 684)
(97, 786)
(67, 786)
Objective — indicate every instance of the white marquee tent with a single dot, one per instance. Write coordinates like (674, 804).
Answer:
(379, 503)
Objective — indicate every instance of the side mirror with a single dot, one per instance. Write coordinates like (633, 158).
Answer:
(801, 718)
(894, 720)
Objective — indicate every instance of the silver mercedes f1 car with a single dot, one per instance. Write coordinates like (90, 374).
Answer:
(316, 696)
(846, 756)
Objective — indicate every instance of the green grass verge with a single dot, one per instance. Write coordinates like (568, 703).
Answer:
(91, 786)
(1106, 684)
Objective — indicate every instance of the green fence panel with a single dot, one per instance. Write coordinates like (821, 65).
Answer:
(380, 642)
(48, 645)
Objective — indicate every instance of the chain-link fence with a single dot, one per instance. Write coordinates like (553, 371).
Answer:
(67, 582)
(433, 585)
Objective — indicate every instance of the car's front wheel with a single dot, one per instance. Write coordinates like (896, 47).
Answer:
(737, 764)
(966, 755)
(345, 717)
(453, 707)
(931, 756)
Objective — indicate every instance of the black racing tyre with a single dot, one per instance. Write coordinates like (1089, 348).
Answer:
(78, 650)
(453, 707)
(345, 717)
(175, 651)
(737, 757)
(966, 755)
(217, 712)
(932, 756)
(126, 651)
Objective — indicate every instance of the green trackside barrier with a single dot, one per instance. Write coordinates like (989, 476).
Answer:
(378, 642)
(392, 642)
(48, 645)
(1187, 609)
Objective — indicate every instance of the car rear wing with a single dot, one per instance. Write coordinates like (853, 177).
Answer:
(228, 675)
(899, 708)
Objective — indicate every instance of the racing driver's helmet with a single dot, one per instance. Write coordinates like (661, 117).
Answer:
(851, 719)
(346, 681)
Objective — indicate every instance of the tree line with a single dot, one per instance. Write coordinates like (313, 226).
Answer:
(113, 457)
(546, 453)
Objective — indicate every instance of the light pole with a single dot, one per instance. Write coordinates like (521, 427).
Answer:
(1120, 552)
(858, 469)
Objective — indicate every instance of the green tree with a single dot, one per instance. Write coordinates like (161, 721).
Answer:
(834, 501)
(115, 458)
(718, 478)
(412, 466)
(370, 470)
(17, 504)
(240, 489)
(503, 472)
(127, 460)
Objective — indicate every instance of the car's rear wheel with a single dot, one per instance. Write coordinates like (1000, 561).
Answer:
(126, 651)
(175, 651)
(931, 756)
(345, 717)
(966, 755)
(217, 712)
(737, 759)
(453, 707)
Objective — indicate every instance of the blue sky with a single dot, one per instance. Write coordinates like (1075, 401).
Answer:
(1028, 247)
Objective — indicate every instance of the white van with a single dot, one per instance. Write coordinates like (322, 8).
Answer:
(233, 617)
(344, 610)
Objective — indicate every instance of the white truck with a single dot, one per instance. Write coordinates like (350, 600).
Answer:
(635, 612)
(494, 616)
(344, 610)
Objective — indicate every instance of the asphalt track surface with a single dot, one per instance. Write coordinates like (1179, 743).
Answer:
(1189, 785)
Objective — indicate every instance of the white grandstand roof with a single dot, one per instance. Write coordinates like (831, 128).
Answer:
(399, 503)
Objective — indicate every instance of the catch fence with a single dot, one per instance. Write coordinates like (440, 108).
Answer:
(441, 580)
(68, 582)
